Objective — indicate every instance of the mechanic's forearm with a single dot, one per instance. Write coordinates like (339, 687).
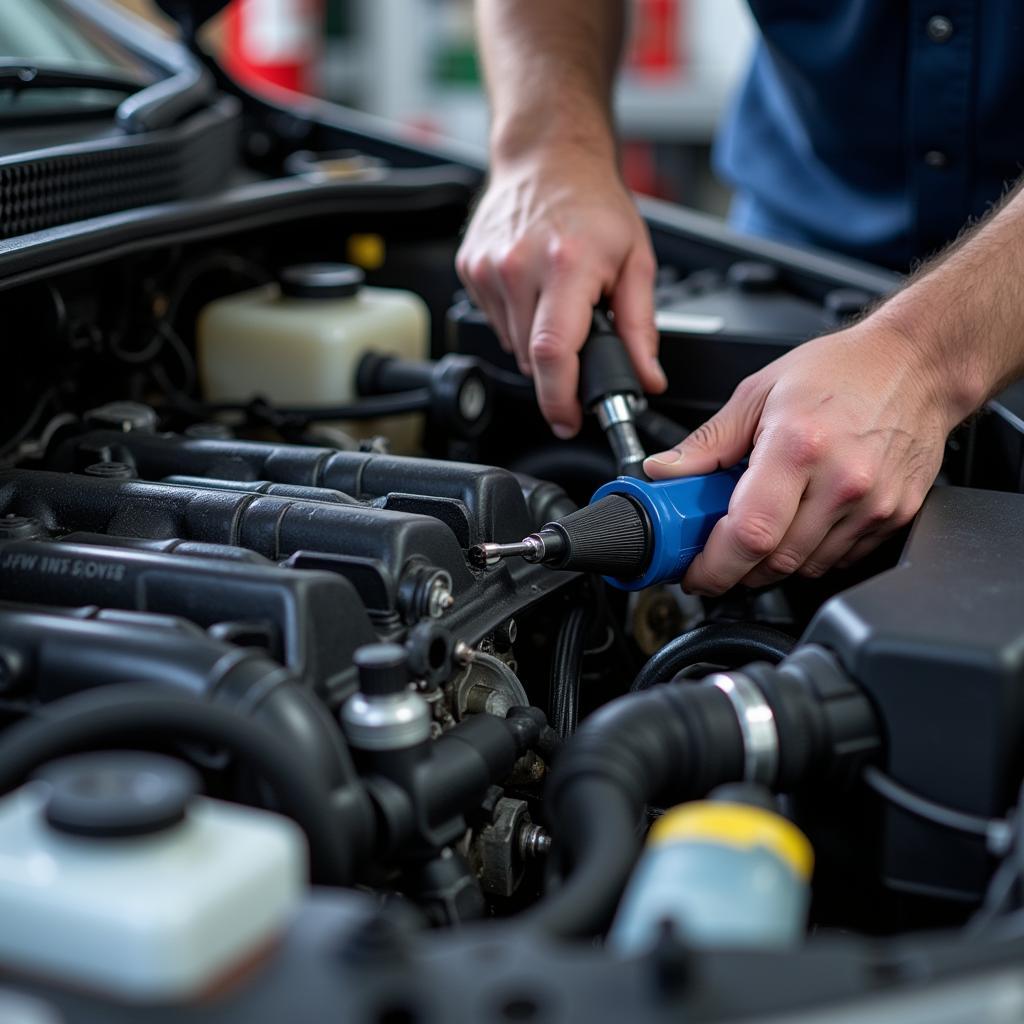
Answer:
(550, 67)
(965, 312)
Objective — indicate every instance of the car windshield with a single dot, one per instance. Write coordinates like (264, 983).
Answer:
(49, 34)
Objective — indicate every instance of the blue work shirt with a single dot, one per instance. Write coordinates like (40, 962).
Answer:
(877, 128)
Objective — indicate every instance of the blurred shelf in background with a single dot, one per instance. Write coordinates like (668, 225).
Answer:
(414, 63)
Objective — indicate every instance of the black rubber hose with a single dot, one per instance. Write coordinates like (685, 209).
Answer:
(416, 400)
(545, 500)
(668, 744)
(513, 384)
(399, 403)
(571, 465)
(658, 430)
(731, 645)
(84, 652)
(673, 743)
(134, 714)
(567, 670)
(605, 828)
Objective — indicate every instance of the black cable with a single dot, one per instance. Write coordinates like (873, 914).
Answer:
(188, 364)
(137, 357)
(514, 385)
(395, 404)
(1002, 899)
(731, 645)
(998, 896)
(138, 715)
(999, 834)
(228, 262)
(936, 814)
(31, 422)
(604, 612)
(658, 430)
(1008, 879)
(572, 465)
(567, 671)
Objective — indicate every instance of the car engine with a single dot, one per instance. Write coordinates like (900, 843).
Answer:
(275, 746)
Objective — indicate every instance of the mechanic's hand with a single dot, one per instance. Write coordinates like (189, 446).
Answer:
(846, 435)
(552, 235)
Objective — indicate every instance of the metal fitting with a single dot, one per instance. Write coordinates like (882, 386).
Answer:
(613, 409)
(615, 413)
(757, 726)
(486, 686)
(473, 399)
(504, 636)
(13, 527)
(533, 549)
(534, 841)
(391, 722)
(502, 848)
(439, 598)
(13, 677)
(424, 591)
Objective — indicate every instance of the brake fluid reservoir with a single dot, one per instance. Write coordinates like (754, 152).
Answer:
(115, 876)
(722, 873)
(298, 342)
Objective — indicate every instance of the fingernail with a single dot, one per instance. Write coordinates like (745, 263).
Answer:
(669, 458)
(560, 430)
(659, 372)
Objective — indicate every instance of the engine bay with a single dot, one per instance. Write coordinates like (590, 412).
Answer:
(213, 580)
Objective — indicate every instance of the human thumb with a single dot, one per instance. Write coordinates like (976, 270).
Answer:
(718, 443)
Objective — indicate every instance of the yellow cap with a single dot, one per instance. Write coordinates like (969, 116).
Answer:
(737, 825)
(366, 251)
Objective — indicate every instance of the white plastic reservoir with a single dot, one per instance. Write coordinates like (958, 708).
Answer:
(115, 877)
(298, 342)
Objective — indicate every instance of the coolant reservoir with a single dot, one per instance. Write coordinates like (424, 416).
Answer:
(298, 343)
(722, 872)
(116, 877)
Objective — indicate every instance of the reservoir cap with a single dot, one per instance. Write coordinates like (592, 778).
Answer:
(321, 280)
(117, 793)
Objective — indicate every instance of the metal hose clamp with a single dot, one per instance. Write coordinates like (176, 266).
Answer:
(757, 726)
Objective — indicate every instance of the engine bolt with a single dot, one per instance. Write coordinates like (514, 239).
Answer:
(110, 470)
(11, 671)
(439, 600)
(209, 431)
(505, 635)
(14, 527)
(534, 842)
(462, 652)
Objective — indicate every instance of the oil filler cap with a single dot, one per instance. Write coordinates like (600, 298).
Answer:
(383, 669)
(117, 793)
(321, 281)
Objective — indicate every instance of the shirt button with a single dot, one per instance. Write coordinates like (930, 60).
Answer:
(939, 28)
(936, 158)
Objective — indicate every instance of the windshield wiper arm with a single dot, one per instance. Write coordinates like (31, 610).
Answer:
(18, 75)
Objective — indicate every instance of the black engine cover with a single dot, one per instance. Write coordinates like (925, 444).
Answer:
(938, 643)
